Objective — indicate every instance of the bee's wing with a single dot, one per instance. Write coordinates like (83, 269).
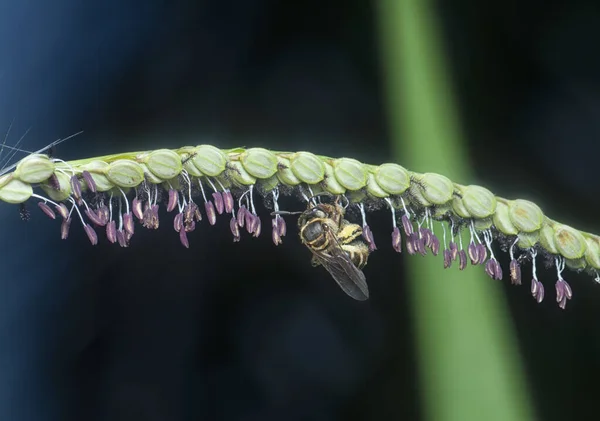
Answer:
(351, 279)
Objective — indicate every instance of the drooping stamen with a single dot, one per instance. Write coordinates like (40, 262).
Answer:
(407, 225)
(277, 223)
(447, 259)
(184, 239)
(492, 267)
(111, 232)
(235, 230)
(92, 236)
(173, 199)
(219, 203)
(537, 288)
(128, 223)
(210, 212)
(228, 201)
(473, 253)
(53, 182)
(76, 188)
(367, 233)
(514, 267)
(462, 259)
(64, 228)
(47, 210)
(121, 239)
(89, 180)
(136, 205)
(62, 210)
(396, 236)
(563, 289)
(93, 216)
(178, 222)
(241, 216)
(208, 206)
(275, 232)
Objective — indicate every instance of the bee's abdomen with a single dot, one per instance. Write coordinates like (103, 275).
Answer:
(358, 252)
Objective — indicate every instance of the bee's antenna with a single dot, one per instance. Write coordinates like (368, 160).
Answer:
(284, 213)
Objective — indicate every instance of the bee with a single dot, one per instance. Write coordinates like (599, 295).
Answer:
(336, 245)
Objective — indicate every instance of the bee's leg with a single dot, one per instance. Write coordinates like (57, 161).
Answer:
(314, 261)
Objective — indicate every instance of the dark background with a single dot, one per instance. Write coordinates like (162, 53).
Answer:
(249, 331)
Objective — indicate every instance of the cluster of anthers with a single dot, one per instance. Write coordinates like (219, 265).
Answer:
(111, 192)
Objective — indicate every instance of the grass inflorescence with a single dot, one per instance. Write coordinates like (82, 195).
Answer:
(428, 212)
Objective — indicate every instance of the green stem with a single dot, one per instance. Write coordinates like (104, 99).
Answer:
(468, 355)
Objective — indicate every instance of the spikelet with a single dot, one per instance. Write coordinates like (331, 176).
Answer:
(108, 193)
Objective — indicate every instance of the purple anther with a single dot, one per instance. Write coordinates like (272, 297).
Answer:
(397, 240)
(136, 206)
(111, 232)
(453, 250)
(91, 234)
(447, 259)
(64, 228)
(184, 239)
(235, 229)
(93, 217)
(128, 223)
(228, 201)
(368, 236)
(47, 210)
(173, 200)
(211, 214)
(89, 180)
(515, 272)
(462, 260)
(62, 210)
(407, 225)
(219, 204)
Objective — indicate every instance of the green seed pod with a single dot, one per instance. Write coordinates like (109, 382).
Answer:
(239, 175)
(189, 166)
(64, 190)
(125, 173)
(482, 224)
(164, 164)
(259, 162)
(592, 253)
(525, 215)
(576, 264)
(459, 208)
(437, 189)
(392, 178)
(417, 197)
(479, 201)
(97, 170)
(569, 242)
(34, 168)
(374, 189)
(174, 183)
(210, 160)
(269, 184)
(149, 175)
(350, 173)
(307, 167)
(547, 239)
(502, 220)
(356, 196)
(331, 183)
(441, 211)
(13, 190)
(285, 174)
(528, 239)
